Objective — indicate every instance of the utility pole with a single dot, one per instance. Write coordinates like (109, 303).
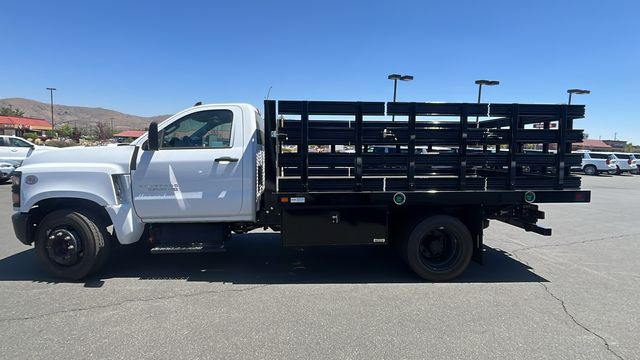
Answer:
(51, 90)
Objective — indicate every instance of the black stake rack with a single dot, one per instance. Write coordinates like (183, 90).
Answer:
(324, 146)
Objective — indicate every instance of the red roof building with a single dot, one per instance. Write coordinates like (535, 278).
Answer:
(130, 134)
(15, 125)
(589, 144)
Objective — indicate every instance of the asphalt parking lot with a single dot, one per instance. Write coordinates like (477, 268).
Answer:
(575, 295)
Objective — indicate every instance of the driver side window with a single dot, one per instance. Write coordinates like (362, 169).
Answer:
(204, 129)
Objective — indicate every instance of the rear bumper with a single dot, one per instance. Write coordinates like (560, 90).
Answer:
(21, 227)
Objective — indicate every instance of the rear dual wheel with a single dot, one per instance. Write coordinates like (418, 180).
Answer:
(439, 248)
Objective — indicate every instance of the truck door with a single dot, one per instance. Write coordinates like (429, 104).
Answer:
(197, 172)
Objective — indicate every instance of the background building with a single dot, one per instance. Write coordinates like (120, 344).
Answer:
(616, 145)
(595, 145)
(14, 125)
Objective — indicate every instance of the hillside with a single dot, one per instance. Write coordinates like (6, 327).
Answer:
(83, 117)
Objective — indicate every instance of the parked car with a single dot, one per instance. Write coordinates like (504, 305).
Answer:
(6, 169)
(637, 157)
(594, 163)
(17, 149)
(626, 163)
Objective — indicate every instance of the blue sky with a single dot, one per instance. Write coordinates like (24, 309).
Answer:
(158, 57)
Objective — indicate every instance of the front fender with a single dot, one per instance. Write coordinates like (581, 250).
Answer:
(97, 187)
(126, 224)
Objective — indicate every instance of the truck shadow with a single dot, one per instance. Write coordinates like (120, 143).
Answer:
(259, 259)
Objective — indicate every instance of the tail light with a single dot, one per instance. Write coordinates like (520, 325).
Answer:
(629, 161)
(15, 188)
(608, 161)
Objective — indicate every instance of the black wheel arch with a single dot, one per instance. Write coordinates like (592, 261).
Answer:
(46, 206)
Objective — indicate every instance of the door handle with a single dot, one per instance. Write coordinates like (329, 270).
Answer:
(226, 158)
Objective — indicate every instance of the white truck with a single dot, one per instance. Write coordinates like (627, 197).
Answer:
(211, 170)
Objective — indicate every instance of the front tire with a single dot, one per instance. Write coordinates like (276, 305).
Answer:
(71, 244)
(439, 248)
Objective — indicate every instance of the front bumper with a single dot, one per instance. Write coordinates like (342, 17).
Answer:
(21, 227)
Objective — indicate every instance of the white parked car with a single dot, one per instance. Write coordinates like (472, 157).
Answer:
(6, 168)
(594, 163)
(626, 163)
(17, 149)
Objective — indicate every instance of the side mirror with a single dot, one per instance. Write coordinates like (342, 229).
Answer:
(154, 143)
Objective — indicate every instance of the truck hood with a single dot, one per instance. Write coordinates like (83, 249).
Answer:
(114, 159)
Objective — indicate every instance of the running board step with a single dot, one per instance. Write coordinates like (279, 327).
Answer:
(187, 249)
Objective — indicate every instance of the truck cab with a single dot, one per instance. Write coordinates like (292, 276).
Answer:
(204, 169)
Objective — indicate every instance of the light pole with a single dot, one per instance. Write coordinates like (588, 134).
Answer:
(51, 90)
(577, 92)
(395, 78)
(480, 83)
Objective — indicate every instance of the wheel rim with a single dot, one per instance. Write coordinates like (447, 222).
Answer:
(64, 246)
(589, 170)
(440, 250)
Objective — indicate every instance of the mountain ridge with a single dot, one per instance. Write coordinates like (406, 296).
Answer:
(80, 116)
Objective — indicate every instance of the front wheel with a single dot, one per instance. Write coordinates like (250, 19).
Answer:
(439, 248)
(71, 244)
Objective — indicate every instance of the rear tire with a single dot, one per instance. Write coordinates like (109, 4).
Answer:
(590, 170)
(438, 248)
(71, 244)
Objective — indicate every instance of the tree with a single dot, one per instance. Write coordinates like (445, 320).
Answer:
(76, 134)
(10, 111)
(629, 147)
(103, 132)
(65, 130)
